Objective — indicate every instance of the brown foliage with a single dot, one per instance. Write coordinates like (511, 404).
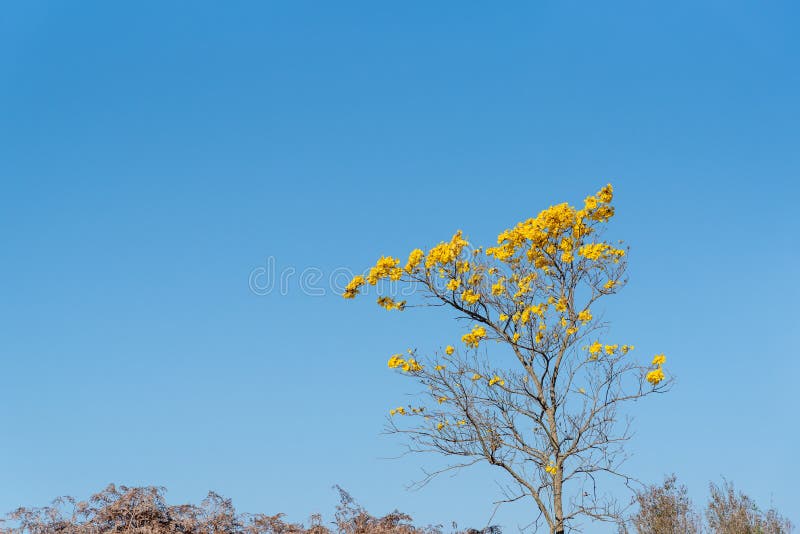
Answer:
(730, 512)
(667, 509)
(144, 510)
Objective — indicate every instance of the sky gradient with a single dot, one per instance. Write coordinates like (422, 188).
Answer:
(153, 155)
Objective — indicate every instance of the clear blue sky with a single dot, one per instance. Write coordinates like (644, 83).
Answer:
(152, 154)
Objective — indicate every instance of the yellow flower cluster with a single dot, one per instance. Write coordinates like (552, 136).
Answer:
(414, 259)
(449, 349)
(585, 316)
(453, 284)
(552, 469)
(657, 375)
(593, 251)
(497, 380)
(559, 227)
(597, 347)
(499, 287)
(445, 253)
(470, 297)
(399, 411)
(473, 338)
(410, 365)
(386, 267)
(390, 304)
(439, 368)
(351, 290)
(528, 312)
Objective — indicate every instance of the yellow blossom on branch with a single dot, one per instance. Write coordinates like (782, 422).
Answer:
(351, 290)
(414, 259)
(655, 376)
(473, 338)
(396, 361)
(470, 297)
(497, 380)
(389, 304)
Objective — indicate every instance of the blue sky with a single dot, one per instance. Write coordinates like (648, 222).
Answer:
(154, 154)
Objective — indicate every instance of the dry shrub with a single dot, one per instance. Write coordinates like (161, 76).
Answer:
(144, 510)
(732, 512)
(665, 509)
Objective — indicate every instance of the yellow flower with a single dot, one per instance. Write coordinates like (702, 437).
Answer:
(449, 350)
(412, 366)
(497, 380)
(444, 253)
(593, 251)
(552, 469)
(461, 422)
(453, 284)
(561, 306)
(389, 304)
(655, 376)
(581, 390)
(470, 297)
(351, 290)
(399, 411)
(515, 337)
(539, 337)
(609, 285)
(439, 426)
(438, 368)
(441, 400)
(414, 260)
(585, 316)
(473, 338)
(476, 376)
(499, 287)
(606, 194)
(659, 359)
(503, 317)
(386, 267)
(610, 349)
(396, 361)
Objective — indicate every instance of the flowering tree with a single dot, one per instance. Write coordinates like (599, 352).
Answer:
(542, 406)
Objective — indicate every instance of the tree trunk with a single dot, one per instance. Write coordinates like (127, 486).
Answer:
(558, 527)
